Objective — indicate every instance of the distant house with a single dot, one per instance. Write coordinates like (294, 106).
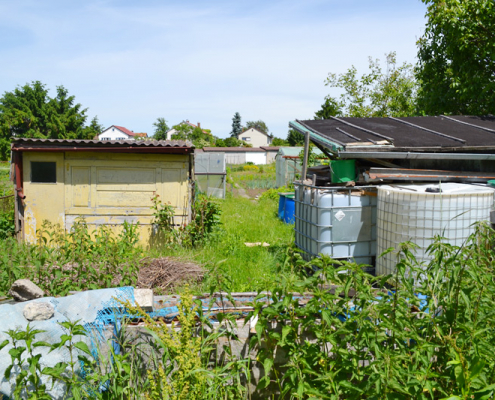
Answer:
(119, 133)
(255, 137)
(186, 122)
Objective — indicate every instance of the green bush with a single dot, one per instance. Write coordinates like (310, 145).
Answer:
(272, 194)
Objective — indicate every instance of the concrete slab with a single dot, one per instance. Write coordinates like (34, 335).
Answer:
(144, 298)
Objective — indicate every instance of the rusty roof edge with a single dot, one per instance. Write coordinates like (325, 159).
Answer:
(101, 144)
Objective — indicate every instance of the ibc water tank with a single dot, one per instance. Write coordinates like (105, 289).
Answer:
(417, 213)
(339, 222)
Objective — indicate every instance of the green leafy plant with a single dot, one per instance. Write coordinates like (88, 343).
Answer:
(430, 337)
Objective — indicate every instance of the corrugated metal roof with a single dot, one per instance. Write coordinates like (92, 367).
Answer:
(107, 143)
(144, 146)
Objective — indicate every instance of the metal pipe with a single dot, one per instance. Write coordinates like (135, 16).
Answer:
(415, 156)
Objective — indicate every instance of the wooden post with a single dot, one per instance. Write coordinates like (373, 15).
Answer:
(306, 153)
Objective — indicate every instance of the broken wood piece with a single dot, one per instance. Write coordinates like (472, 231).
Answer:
(264, 244)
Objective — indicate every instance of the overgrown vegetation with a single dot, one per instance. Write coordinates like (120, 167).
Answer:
(77, 260)
(205, 218)
(429, 338)
(335, 334)
(7, 225)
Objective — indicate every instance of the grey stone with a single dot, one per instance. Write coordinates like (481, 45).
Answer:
(39, 311)
(24, 290)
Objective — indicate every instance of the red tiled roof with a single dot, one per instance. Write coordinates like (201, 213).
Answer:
(125, 130)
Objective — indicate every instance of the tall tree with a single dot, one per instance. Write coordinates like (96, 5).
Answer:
(94, 128)
(29, 112)
(67, 117)
(259, 125)
(236, 125)
(295, 138)
(457, 58)
(377, 93)
(330, 108)
(161, 129)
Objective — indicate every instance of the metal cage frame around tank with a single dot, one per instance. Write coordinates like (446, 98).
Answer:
(362, 248)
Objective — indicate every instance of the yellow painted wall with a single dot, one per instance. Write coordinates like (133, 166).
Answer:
(44, 201)
(108, 189)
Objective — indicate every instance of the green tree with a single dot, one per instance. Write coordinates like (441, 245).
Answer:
(295, 138)
(94, 128)
(330, 108)
(236, 125)
(29, 112)
(182, 132)
(161, 129)
(220, 143)
(376, 94)
(456, 58)
(279, 142)
(233, 142)
(259, 125)
(196, 135)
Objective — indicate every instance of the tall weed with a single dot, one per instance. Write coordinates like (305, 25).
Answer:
(78, 260)
(429, 338)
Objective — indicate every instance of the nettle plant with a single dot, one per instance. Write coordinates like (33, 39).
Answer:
(205, 217)
(432, 337)
(79, 259)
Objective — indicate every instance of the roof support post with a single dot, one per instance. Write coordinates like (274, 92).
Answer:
(306, 154)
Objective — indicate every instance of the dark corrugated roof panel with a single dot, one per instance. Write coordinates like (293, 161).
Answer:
(409, 133)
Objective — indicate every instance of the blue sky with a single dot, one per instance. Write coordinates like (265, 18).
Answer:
(130, 62)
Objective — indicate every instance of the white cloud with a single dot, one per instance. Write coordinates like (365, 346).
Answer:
(202, 61)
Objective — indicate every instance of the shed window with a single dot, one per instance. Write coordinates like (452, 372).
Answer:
(246, 139)
(43, 172)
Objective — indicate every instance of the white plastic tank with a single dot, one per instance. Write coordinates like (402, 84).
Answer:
(338, 222)
(417, 213)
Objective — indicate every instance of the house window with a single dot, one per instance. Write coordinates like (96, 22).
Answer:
(246, 139)
(43, 172)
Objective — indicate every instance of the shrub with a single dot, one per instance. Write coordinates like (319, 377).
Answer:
(272, 194)
(205, 217)
(251, 168)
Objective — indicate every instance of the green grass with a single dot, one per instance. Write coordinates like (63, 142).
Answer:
(231, 263)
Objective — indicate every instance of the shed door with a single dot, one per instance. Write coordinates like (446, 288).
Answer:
(111, 188)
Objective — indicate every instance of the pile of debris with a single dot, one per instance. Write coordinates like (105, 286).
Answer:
(165, 273)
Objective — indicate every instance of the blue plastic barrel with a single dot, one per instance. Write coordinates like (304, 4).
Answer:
(290, 207)
(281, 206)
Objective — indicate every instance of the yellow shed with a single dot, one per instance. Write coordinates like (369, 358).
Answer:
(106, 182)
